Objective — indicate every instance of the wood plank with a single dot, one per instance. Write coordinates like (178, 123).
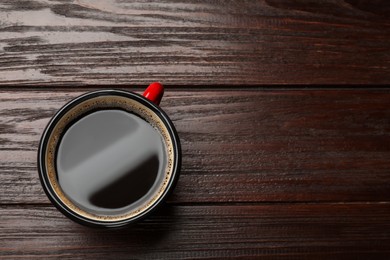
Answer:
(46, 43)
(238, 146)
(301, 231)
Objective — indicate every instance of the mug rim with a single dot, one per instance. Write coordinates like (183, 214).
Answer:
(47, 186)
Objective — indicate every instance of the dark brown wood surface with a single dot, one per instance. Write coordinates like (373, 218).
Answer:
(277, 163)
(206, 42)
(292, 231)
(238, 146)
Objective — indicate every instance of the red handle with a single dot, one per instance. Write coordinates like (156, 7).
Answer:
(154, 92)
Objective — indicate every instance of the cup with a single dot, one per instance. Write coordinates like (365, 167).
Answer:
(109, 158)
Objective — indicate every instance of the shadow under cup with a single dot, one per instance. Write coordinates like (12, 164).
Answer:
(108, 158)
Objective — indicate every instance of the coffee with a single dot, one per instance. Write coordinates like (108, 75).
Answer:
(109, 158)
(110, 161)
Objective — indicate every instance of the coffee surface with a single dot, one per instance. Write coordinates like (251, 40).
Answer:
(110, 161)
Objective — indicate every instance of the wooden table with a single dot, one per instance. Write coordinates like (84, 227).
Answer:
(282, 108)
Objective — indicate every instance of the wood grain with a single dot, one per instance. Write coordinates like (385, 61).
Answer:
(235, 42)
(300, 231)
(268, 173)
(238, 146)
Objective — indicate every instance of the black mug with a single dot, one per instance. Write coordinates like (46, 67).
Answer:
(110, 157)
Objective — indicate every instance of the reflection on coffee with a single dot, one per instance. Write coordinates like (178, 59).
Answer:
(110, 162)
